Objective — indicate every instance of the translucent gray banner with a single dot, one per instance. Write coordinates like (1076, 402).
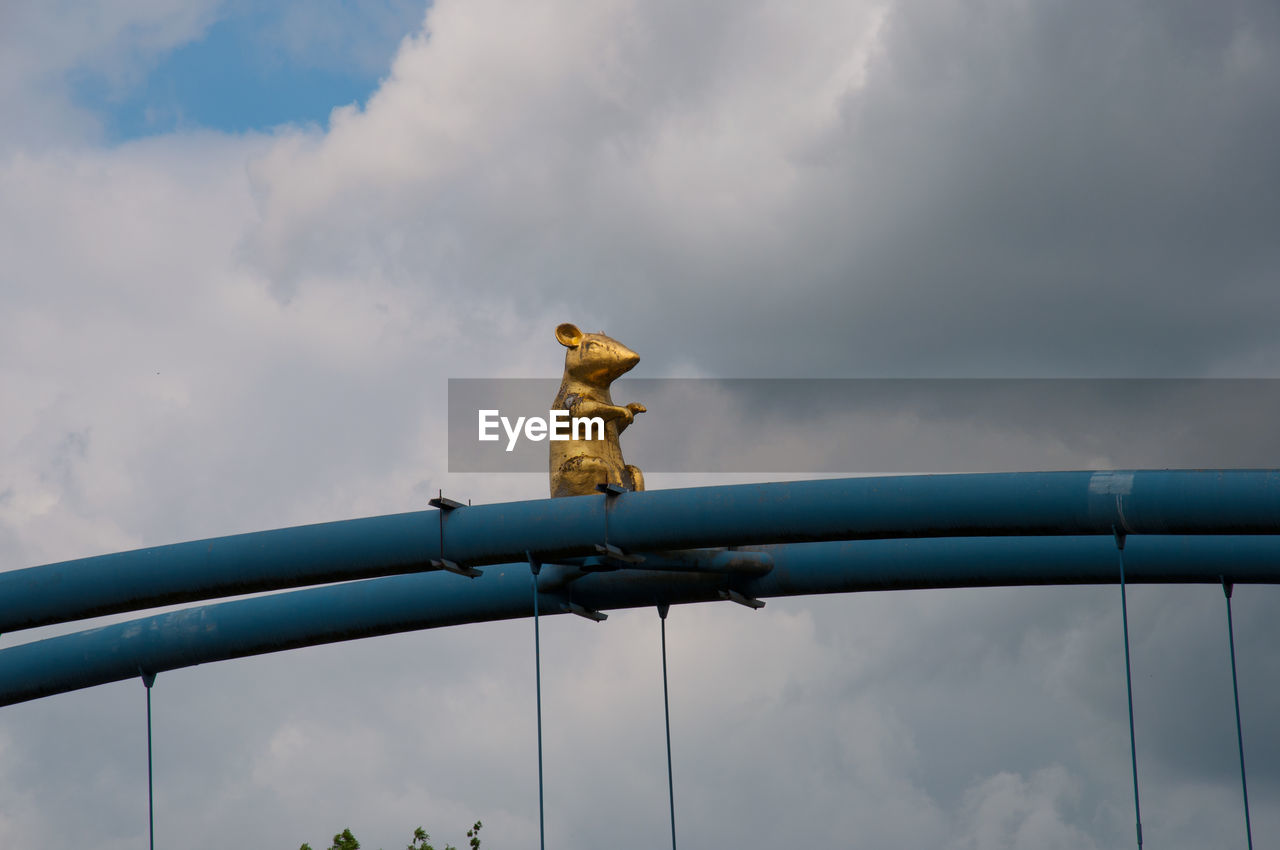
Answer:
(888, 425)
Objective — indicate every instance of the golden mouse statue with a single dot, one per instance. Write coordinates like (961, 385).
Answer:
(591, 364)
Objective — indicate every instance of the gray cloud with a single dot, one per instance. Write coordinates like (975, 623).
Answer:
(926, 196)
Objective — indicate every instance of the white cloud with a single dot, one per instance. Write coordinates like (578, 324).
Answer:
(1010, 812)
(44, 45)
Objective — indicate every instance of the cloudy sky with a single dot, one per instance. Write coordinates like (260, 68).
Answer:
(243, 251)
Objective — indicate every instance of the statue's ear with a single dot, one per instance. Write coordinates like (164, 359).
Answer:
(568, 335)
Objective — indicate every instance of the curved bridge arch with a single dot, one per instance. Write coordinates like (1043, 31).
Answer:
(829, 536)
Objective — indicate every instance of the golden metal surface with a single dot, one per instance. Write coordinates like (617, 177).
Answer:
(591, 364)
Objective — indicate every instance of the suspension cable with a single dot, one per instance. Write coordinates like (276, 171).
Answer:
(1128, 681)
(1235, 691)
(149, 679)
(536, 567)
(663, 608)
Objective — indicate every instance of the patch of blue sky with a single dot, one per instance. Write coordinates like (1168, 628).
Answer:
(253, 70)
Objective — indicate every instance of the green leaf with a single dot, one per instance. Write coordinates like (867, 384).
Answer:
(345, 841)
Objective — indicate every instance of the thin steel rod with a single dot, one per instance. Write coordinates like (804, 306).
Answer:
(149, 679)
(1235, 692)
(1128, 683)
(666, 711)
(537, 675)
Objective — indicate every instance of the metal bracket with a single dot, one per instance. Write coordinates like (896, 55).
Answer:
(446, 505)
(444, 564)
(612, 490)
(735, 596)
(613, 557)
(597, 564)
(613, 553)
(581, 611)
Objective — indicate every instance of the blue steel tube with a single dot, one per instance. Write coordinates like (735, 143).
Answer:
(429, 600)
(1050, 503)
